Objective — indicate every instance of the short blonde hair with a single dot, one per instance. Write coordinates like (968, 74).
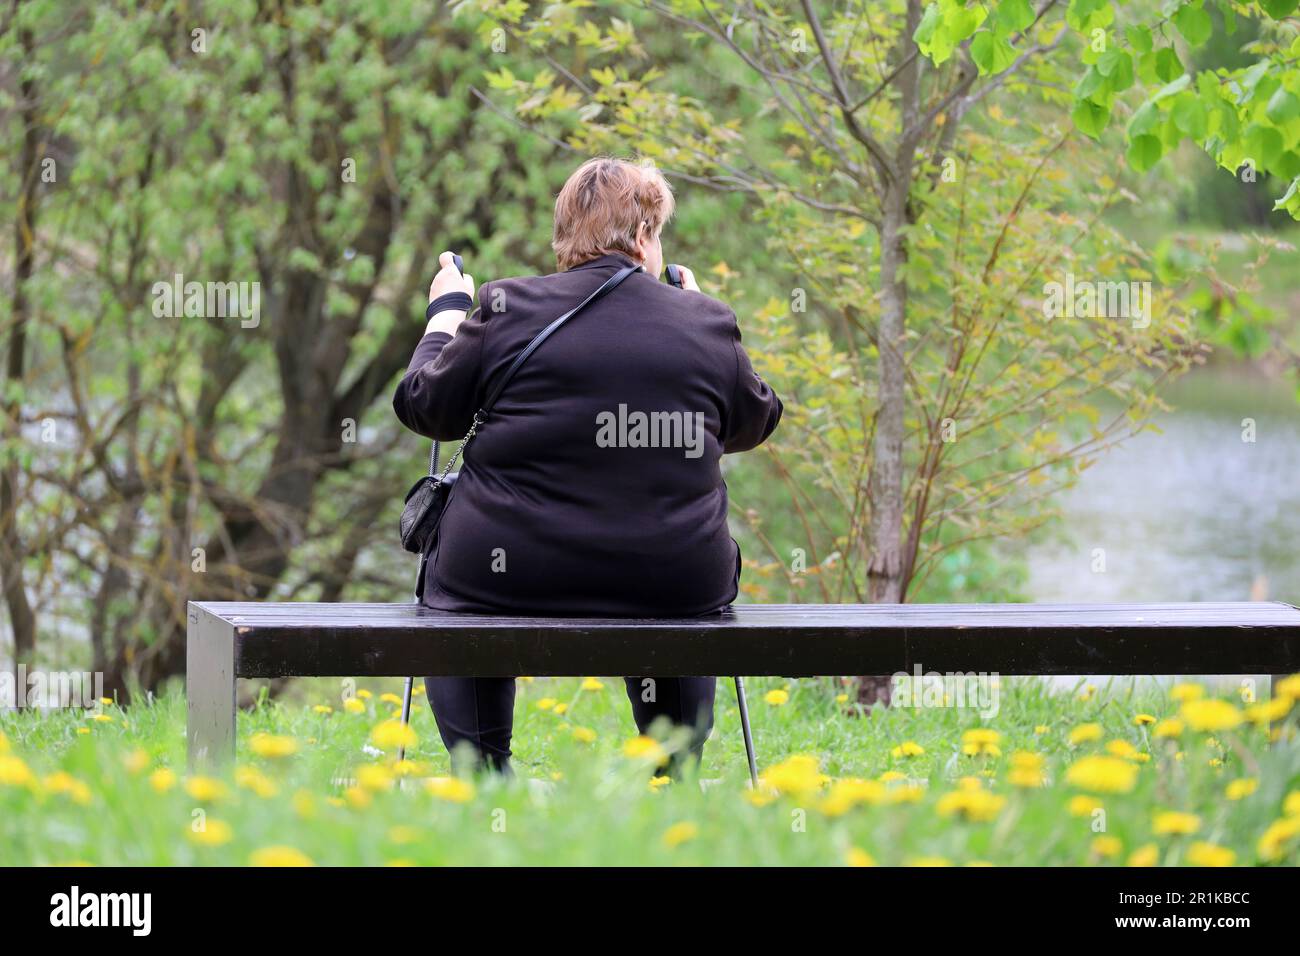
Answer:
(603, 204)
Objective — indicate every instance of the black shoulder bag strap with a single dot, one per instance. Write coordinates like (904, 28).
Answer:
(610, 285)
(480, 416)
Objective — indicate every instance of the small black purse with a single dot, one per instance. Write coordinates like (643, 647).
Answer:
(428, 497)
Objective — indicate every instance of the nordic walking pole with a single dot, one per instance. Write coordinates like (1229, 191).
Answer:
(419, 579)
(744, 726)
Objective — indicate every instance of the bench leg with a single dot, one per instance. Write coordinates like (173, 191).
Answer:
(209, 689)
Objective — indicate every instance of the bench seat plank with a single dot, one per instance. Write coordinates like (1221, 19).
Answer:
(304, 639)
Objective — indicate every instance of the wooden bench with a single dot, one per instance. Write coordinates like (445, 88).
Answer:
(227, 641)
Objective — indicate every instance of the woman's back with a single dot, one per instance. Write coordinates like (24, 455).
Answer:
(594, 486)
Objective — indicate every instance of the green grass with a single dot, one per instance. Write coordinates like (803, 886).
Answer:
(578, 802)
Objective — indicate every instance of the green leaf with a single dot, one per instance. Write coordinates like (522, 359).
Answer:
(1277, 9)
(991, 53)
(1144, 152)
(1291, 192)
(1012, 16)
(1282, 106)
(1168, 66)
(1194, 24)
(1188, 114)
(1140, 38)
(1117, 67)
(1144, 120)
(1090, 118)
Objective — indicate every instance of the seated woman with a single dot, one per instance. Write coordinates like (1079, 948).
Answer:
(594, 487)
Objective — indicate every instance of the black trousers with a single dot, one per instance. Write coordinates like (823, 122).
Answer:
(475, 715)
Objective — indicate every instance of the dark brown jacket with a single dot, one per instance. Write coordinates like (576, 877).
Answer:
(564, 505)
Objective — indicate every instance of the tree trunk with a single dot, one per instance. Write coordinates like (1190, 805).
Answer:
(12, 553)
(885, 583)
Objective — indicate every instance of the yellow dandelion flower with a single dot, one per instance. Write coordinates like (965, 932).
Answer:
(63, 782)
(279, 856)
(561, 708)
(212, 833)
(374, 777)
(1083, 805)
(354, 705)
(391, 698)
(323, 709)
(977, 806)
(1146, 855)
(137, 761)
(1210, 854)
(1041, 729)
(250, 778)
(907, 793)
(403, 835)
(858, 857)
(204, 789)
(304, 804)
(1211, 714)
(1026, 770)
(15, 773)
(407, 768)
(794, 775)
(1186, 692)
(1291, 804)
(1242, 788)
(929, 861)
(1084, 733)
(547, 703)
(760, 797)
(907, 748)
(451, 789)
(658, 783)
(584, 735)
(1274, 841)
(1107, 846)
(358, 797)
(1102, 774)
(1261, 715)
(680, 833)
(1122, 748)
(644, 748)
(273, 746)
(841, 698)
(1173, 727)
(336, 801)
(162, 780)
(1288, 687)
(364, 694)
(981, 742)
(776, 698)
(4, 743)
(848, 793)
(101, 718)
(592, 683)
(1175, 823)
(82, 730)
(892, 776)
(1143, 719)
(392, 734)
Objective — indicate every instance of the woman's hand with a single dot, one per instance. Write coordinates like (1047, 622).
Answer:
(447, 280)
(688, 279)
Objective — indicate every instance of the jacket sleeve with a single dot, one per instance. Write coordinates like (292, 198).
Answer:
(755, 409)
(442, 387)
